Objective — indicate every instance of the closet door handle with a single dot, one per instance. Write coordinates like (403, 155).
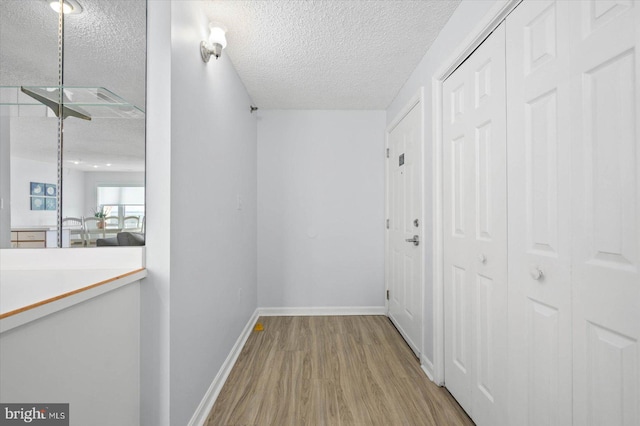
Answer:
(536, 273)
(482, 259)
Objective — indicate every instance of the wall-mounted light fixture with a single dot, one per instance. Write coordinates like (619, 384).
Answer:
(217, 41)
(68, 6)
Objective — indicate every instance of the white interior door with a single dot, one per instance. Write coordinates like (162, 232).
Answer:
(404, 275)
(538, 131)
(475, 232)
(605, 74)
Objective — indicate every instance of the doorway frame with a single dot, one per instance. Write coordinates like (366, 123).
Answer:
(486, 25)
(416, 100)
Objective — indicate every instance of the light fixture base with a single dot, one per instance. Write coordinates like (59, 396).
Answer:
(206, 53)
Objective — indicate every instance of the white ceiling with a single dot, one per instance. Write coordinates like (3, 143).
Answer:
(327, 54)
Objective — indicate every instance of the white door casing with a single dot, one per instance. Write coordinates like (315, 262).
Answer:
(539, 154)
(605, 121)
(475, 232)
(404, 211)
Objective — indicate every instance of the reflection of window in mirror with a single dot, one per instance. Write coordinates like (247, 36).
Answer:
(123, 202)
(103, 102)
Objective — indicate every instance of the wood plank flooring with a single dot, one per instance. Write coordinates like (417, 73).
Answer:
(350, 370)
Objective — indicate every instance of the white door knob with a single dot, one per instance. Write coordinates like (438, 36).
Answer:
(536, 273)
(482, 258)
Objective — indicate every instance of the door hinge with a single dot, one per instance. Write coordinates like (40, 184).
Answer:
(387, 223)
(387, 294)
(387, 152)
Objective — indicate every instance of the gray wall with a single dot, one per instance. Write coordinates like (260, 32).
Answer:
(213, 242)
(207, 280)
(321, 209)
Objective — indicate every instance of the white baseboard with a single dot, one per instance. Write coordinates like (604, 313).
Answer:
(427, 367)
(200, 416)
(321, 311)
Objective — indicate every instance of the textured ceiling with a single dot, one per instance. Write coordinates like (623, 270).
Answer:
(104, 47)
(323, 54)
(294, 54)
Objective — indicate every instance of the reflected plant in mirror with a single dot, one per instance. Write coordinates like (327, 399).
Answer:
(101, 103)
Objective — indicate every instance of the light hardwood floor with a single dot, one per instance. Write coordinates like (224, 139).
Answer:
(350, 370)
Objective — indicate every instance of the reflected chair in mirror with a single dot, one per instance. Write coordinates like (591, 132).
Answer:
(75, 228)
(131, 224)
(93, 229)
(112, 226)
(112, 222)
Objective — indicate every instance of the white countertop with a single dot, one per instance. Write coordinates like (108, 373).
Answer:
(26, 295)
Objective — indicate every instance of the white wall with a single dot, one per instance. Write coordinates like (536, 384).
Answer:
(155, 297)
(87, 355)
(465, 17)
(5, 179)
(73, 193)
(24, 171)
(211, 290)
(321, 208)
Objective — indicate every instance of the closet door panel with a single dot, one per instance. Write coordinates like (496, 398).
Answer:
(489, 252)
(538, 135)
(458, 229)
(606, 202)
(475, 232)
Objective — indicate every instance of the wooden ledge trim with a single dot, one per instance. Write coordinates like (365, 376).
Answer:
(70, 293)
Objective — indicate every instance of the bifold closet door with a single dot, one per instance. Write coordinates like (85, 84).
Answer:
(574, 212)
(538, 131)
(605, 121)
(475, 232)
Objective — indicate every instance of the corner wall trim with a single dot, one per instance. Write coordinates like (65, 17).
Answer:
(204, 408)
(320, 311)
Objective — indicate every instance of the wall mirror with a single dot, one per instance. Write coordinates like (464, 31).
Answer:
(79, 180)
